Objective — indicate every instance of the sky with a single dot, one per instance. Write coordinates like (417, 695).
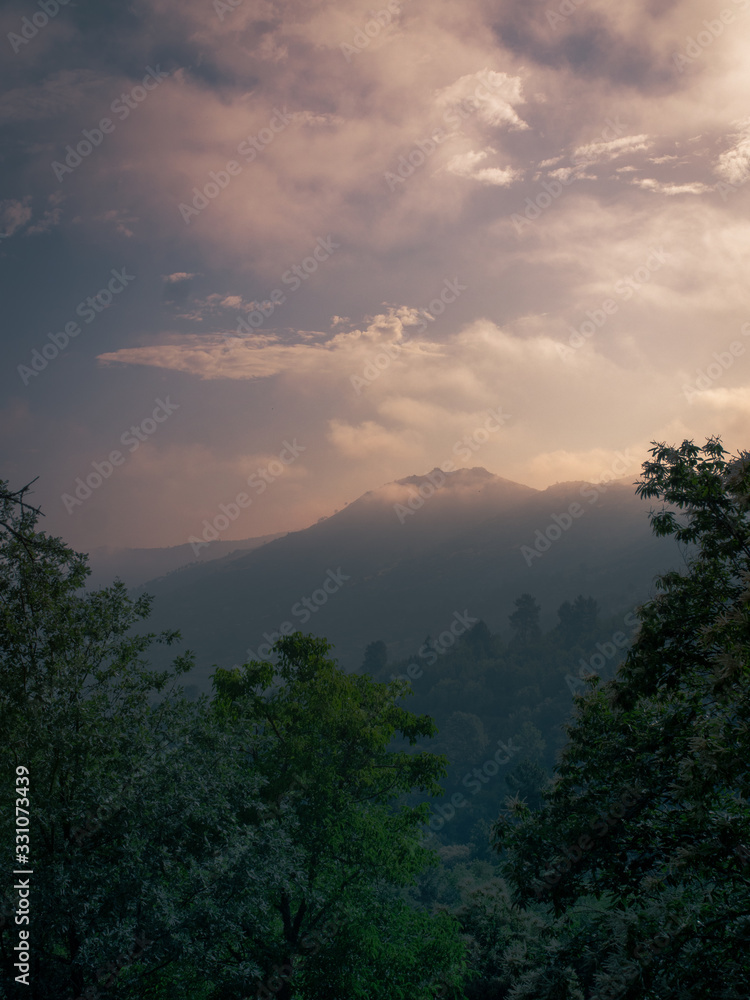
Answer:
(288, 251)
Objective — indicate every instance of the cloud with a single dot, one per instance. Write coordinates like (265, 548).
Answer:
(490, 95)
(350, 361)
(604, 152)
(122, 220)
(466, 165)
(370, 439)
(733, 401)
(178, 276)
(227, 355)
(733, 165)
(670, 189)
(14, 214)
(625, 46)
(59, 93)
(594, 465)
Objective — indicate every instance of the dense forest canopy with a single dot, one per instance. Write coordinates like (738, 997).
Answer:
(562, 815)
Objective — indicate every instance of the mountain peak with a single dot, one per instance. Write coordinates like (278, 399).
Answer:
(436, 475)
(476, 477)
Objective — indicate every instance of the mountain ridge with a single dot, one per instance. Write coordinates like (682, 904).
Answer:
(371, 571)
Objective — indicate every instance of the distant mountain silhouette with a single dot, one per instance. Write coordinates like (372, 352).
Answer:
(135, 566)
(396, 565)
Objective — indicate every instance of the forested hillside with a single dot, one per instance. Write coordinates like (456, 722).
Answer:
(558, 816)
(485, 693)
(372, 572)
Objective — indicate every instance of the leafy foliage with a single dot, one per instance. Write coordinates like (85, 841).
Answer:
(132, 836)
(209, 848)
(525, 619)
(270, 841)
(326, 744)
(649, 809)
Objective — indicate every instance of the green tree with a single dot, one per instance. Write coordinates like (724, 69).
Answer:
(647, 823)
(132, 838)
(525, 619)
(577, 620)
(529, 776)
(479, 640)
(376, 658)
(326, 744)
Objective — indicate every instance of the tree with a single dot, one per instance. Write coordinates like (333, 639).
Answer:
(376, 657)
(577, 620)
(479, 640)
(648, 817)
(463, 738)
(124, 790)
(525, 619)
(250, 845)
(325, 743)
(529, 775)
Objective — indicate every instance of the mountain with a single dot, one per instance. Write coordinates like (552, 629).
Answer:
(401, 561)
(135, 566)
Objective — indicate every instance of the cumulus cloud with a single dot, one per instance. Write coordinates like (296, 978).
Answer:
(733, 165)
(492, 96)
(467, 165)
